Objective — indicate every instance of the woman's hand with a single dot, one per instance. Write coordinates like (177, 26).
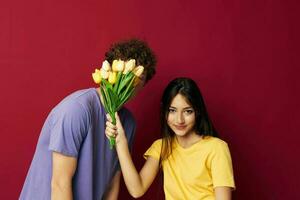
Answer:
(136, 183)
(116, 131)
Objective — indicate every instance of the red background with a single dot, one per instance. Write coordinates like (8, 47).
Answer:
(243, 54)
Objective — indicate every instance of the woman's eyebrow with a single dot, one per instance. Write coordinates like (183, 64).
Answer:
(185, 108)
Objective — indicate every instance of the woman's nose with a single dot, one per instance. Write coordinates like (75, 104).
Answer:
(180, 118)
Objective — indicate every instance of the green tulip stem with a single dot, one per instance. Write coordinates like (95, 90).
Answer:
(112, 140)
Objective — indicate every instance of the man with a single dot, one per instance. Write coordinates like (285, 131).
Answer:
(72, 158)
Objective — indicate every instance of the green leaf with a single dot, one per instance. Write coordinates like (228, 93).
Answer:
(125, 98)
(128, 88)
(109, 100)
(107, 84)
(106, 107)
(119, 77)
(112, 142)
(109, 104)
(113, 98)
(125, 82)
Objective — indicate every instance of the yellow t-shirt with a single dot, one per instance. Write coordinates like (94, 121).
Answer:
(192, 173)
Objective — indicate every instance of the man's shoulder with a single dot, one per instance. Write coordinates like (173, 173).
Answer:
(77, 101)
(81, 94)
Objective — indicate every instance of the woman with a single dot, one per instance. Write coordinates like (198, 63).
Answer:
(195, 163)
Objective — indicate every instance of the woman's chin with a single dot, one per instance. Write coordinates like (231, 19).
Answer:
(180, 133)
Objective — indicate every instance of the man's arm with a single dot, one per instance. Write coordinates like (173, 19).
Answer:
(112, 191)
(63, 169)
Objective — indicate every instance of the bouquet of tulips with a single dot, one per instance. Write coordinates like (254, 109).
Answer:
(117, 85)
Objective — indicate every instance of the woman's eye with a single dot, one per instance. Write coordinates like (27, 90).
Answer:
(171, 110)
(189, 111)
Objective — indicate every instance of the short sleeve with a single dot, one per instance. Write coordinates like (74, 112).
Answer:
(68, 128)
(154, 150)
(221, 166)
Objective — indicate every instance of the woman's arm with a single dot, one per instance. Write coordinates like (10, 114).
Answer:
(223, 193)
(136, 183)
(62, 173)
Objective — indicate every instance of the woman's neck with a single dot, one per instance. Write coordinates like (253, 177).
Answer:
(188, 140)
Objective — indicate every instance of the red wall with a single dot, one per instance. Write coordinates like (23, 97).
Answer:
(243, 54)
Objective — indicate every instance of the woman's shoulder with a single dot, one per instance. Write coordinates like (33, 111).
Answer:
(214, 141)
(157, 142)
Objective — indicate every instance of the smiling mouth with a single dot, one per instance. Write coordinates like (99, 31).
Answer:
(180, 127)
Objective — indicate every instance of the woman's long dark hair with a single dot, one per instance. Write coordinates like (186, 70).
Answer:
(189, 89)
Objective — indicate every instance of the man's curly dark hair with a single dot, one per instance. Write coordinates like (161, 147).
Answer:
(134, 49)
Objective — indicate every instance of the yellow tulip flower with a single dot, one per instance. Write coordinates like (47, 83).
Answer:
(104, 74)
(112, 77)
(118, 65)
(129, 66)
(106, 66)
(114, 65)
(138, 71)
(97, 76)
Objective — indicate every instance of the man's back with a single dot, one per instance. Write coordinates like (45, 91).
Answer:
(75, 127)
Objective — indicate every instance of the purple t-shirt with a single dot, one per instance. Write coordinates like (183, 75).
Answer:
(76, 127)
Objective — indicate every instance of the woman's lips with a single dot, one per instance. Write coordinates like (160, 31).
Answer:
(180, 127)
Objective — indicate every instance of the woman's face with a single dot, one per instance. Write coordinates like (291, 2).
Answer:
(181, 118)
